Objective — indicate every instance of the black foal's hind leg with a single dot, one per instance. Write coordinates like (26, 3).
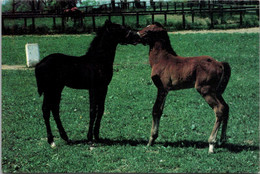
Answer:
(56, 114)
(101, 96)
(46, 115)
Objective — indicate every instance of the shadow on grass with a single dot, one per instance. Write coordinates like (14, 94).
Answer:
(234, 148)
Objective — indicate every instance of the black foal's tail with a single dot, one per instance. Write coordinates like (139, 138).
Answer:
(39, 79)
(224, 78)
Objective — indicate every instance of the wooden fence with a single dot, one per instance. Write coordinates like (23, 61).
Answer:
(191, 8)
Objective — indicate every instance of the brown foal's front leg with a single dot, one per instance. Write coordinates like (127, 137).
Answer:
(157, 113)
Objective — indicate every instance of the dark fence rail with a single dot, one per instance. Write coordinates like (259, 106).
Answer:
(191, 8)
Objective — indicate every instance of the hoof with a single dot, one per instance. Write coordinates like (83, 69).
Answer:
(69, 142)
(211, 148)
(90, 142)
(53, 145)
(97, 140)
(150, 143)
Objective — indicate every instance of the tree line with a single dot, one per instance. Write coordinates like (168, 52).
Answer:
(50, 5)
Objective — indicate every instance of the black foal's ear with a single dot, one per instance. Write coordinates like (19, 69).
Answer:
(107, 22)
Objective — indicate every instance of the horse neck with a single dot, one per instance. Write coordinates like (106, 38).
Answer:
(160, 50)
(162, 44)
(102, 50)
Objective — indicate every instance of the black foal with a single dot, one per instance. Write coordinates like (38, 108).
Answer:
(92, 71)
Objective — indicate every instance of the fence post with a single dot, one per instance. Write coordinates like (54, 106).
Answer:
(81, 21)
(241, 19)
(152, 17)
(123, 20)
(33, 24)
(183, 20)
(212, 20)
(109, 17)
(93, 22)
(137, 19)
(25, 22)
(257, 13)
(63, 24)
(3, 25)
(54, 22)
(222, 14)
(165, 18)
(192, 16)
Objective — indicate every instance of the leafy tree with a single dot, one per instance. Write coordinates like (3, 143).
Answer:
(33, 5)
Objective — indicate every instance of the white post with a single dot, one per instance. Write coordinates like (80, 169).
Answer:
(32, 54)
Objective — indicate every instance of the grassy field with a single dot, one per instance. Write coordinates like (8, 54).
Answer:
(185, 125)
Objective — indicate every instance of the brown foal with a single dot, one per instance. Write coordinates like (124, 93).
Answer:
(173, 72)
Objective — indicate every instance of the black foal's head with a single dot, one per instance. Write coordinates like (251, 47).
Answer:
(121, 34)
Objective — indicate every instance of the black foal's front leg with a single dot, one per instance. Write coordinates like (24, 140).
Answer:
(97, 102)
(92, 113)
(100, 111)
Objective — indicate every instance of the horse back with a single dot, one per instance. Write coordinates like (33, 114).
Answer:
(59, 70)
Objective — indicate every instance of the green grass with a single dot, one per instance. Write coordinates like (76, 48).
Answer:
(185, 125)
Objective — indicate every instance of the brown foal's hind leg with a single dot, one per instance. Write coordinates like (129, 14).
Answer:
(223, 138)
(157, 112)
(220, 110)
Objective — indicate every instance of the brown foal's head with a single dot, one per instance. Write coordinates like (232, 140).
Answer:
(152, 33)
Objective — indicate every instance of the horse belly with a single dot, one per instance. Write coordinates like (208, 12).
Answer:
(182, 85)
(77, 78)
(77, 84)
(182, 82)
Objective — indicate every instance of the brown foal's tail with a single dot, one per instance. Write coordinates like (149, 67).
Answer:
(224, 78)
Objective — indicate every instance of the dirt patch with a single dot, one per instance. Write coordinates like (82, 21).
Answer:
(15, 67)
(243, 30)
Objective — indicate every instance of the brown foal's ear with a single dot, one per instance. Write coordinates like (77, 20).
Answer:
(159, 25)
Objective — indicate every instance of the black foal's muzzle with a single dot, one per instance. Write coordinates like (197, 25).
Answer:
(132, 37)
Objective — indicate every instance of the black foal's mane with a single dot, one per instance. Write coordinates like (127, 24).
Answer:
(96, 41)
